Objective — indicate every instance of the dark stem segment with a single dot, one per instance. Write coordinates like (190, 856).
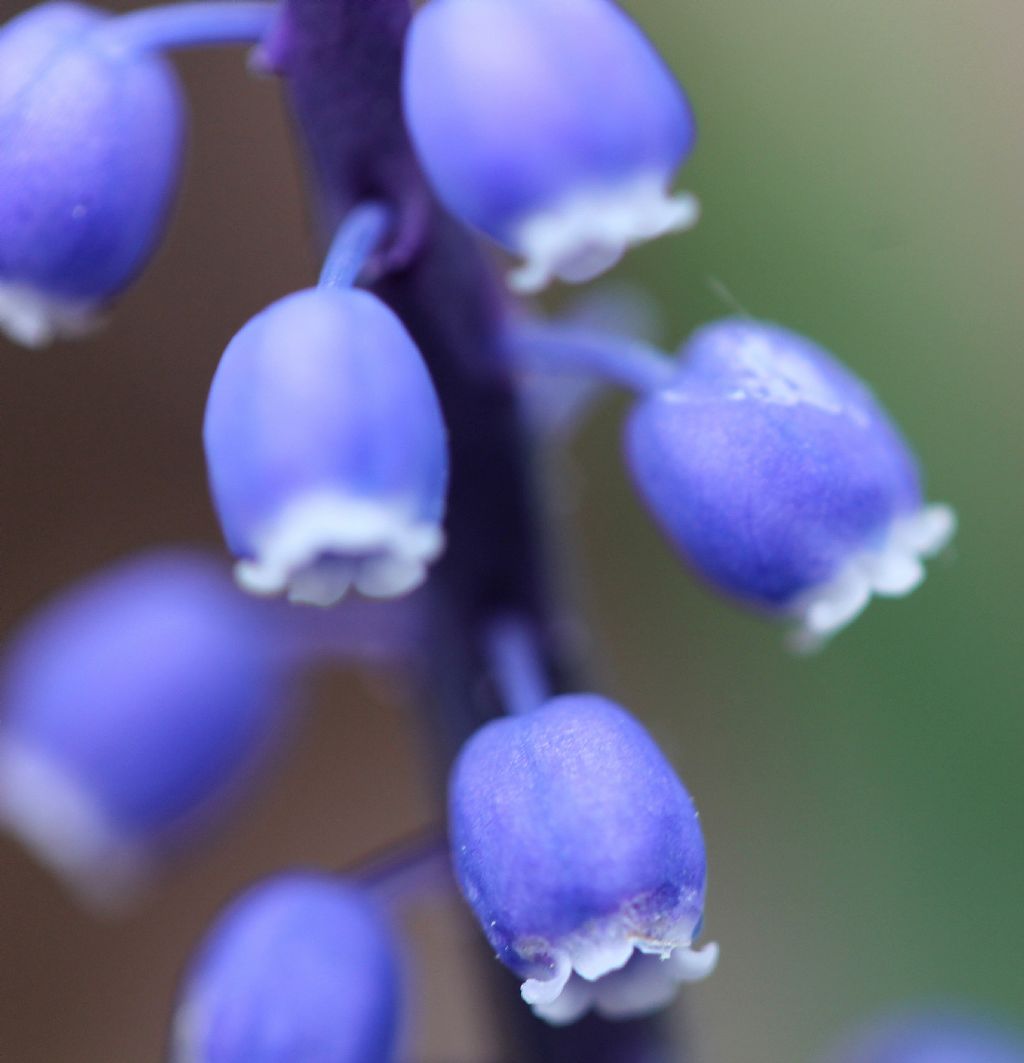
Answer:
(341, 60)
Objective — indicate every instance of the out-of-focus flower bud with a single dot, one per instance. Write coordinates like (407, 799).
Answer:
(932, 1037)
(326, 450)
(551, 125)
(92, 137)
(132, 707)
(780, 478)
(575, 844)
(301, 967)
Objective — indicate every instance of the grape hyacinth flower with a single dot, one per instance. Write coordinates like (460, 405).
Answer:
(932, 1037)
(576, 845)
(551, 125)
(133, 706)
(92, 125)
(326, 446)
(771, 467)
(92, 135)
(780, 478)
(300, 967)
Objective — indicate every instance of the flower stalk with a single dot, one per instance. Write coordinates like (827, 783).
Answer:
(338, 58)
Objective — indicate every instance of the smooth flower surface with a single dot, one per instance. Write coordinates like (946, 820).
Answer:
(780, 478)
(92, 139)
(576, 844)
(132, 706)
(554, 127)
(301, 967)
(326, 450)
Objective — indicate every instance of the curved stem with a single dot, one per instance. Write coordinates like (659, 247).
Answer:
(358, 237)
(412, 868)
(563, 349)
(517, 665)
(191, 25)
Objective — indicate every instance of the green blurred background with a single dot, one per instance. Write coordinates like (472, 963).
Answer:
(861, 168)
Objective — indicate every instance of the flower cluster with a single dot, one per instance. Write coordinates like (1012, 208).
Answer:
(365, 436)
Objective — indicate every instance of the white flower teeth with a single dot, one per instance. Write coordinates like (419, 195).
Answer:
(32, 319)
(891, 569)
(614, 970)
(590, 231)
(643, 984)
(60, 823)
(324, 543)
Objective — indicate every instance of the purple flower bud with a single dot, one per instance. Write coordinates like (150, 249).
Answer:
(552, 125)
(575, 844)
(133, 705)
(301, 967)
(92, 144)
(933, 1038)
(326, 450)
(780, 478)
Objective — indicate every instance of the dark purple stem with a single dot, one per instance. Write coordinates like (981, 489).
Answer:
(341, 60)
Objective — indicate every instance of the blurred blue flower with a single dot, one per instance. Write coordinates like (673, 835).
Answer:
(575, 844)
(326, 450)
(92, 136)
(301, 967)
(932, 1037)
(554, 127)
(133, 705)
(780, 478)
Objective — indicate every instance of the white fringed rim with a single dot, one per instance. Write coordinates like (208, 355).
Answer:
(34, 319)
(891, 569)
(187, 1029)
(587, 233)
(647, 983)
(323, 543)
(60, 823)
(587, 969)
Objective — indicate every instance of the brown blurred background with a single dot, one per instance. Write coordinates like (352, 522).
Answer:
(861, 168)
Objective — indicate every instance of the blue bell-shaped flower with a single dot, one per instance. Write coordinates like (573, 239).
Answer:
(780, 478)
(551, 125)
(92, 139)
(326, 450)
(932, 1037)
(576, 846)
(300, 967)
(133, 706)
